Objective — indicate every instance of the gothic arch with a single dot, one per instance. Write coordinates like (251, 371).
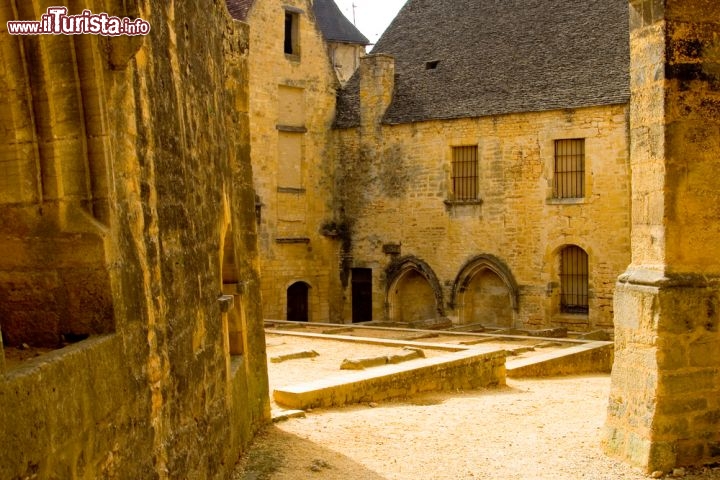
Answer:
(488, 270)
(406, 269)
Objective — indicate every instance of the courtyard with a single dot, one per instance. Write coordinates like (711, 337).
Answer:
(529, 428)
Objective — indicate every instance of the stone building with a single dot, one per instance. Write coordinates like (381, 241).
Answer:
(126, 209)
(297, 48)
(483, 169)
(345, 43)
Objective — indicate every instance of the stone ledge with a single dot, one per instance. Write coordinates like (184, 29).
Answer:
(566, 201)
(291, 190)
(594, 357)
(291, 128)
(408, 353)
(280, 415)
(294, 356)
(658, 279)
(280, 329)
(458, 370)
(336, 330)
(461, 203)
(293, 240)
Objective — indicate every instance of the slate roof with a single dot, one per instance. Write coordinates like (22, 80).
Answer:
(334, 26)
(239, 8)
(500, 56)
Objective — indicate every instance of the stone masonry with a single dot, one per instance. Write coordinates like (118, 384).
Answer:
(664, 406)
(395, 188)
(292, 99)
(126, 197)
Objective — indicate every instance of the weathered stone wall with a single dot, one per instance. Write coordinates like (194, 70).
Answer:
(664, 406)
(292, 100)
(394, 187)
(345, 59)
(124, 162)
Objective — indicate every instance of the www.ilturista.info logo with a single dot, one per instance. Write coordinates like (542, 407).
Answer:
(57, 22)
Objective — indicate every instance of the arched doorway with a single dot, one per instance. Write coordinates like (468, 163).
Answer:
(297, 302)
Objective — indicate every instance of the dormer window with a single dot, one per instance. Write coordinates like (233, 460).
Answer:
(432, 65)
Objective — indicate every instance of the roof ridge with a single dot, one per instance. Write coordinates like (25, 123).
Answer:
(473, 58)
(334, 26)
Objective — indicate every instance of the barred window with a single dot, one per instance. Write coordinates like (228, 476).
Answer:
(465, 172)
(573, 280)
(569, 179)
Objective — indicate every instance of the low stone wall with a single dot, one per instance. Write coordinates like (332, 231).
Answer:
(595, 357)
(462, 370)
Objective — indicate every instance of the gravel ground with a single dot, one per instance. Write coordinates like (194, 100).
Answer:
(531, 429)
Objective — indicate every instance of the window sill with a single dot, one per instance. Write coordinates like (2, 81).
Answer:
(293, 57)
(291, 129)
(566, 201)
(293, 190)
(570, 317)
(292, 240)
(452, 203)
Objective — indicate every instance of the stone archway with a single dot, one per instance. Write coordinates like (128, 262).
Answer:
(413, 298)
(414, 292)
(486, 292)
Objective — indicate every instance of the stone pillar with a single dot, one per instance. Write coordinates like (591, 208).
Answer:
(664, 408)
(377, 83)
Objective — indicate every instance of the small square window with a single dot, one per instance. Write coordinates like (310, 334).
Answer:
(465, 173)
(569, 172)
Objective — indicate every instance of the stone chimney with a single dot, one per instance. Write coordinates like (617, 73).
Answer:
(377, 82)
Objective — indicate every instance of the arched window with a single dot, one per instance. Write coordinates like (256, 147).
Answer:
(573, 280)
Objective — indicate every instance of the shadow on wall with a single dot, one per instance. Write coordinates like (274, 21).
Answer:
(55, 290)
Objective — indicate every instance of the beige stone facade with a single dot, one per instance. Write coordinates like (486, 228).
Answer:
(371, 209)
(493, 259)
(126, 209)
(292, 97)
(145, 183)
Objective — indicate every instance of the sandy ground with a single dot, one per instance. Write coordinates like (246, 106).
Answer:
(330, 354)
(531, 429)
